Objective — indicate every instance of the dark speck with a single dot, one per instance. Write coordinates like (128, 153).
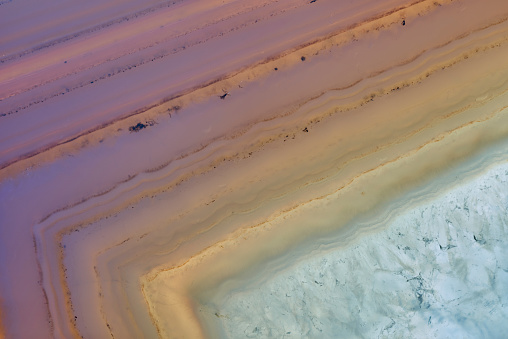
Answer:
(479, 239)
(138, 127)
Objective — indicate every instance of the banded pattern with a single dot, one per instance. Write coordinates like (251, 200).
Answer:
(157, 155)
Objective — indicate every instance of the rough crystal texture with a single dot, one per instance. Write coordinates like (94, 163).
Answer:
(437, 270)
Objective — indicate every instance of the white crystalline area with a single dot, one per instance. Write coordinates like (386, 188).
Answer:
(436, 270)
